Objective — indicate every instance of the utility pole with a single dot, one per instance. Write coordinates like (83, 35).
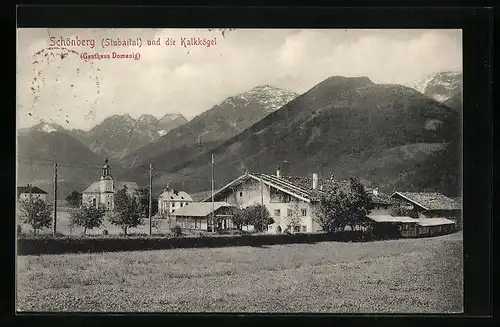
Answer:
(261, 192)
(55, 200)
(150, 187)
(213, 204)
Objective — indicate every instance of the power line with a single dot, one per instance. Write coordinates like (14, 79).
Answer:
(77, 164)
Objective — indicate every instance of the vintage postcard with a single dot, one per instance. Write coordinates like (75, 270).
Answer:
(239, 170)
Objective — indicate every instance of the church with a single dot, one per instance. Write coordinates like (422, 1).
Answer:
(101, 192)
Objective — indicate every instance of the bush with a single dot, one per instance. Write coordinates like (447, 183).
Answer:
(177, 230)
(105, 232)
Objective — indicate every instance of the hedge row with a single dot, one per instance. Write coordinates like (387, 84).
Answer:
(60, 245)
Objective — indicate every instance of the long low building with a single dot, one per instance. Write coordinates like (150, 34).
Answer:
(198, 215)
(404, 226)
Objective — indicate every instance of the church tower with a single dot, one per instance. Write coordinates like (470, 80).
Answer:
(106, 182)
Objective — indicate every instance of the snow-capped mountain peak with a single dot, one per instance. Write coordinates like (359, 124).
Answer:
(271, 98)
(439, 86)
(47, 128)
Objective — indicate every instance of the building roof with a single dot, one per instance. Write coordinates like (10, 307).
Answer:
(430, 201)
(300, 187)
(30, 189)
(173, 195)
(297, 186)
(434, 221)
(200, 209)
(93, 188)
(391, 219)
(378, 197)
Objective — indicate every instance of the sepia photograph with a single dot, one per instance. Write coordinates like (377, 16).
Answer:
(239, 170)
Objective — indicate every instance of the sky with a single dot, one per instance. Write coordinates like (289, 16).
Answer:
(58, 85)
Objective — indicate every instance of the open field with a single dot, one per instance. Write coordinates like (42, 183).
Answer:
(63, 220)
(407, 275)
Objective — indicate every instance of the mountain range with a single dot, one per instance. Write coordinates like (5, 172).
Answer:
(392, 136)
(386, 134)
(119, 135)
(202, 133)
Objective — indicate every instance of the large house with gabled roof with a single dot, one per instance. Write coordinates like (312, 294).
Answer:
(283, 196)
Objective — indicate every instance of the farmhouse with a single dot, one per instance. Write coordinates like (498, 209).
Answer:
(381, 202)
(431, 205)
(101, 193)
(170, 200)
(31, 192)
(198, 215)
(285, 197)
(404, 226)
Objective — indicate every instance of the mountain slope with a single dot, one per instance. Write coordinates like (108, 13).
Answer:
(218, 124)
(440, 86)
(342, 126)
(455, 101)
(38, 150)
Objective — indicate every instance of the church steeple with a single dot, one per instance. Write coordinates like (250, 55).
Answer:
(106, 171)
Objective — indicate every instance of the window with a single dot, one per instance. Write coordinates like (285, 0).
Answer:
(173, 205)
(288, 212)
(304, 212)
(182, 204)
(304, 228)
(296, 229)
(241, 194)
(277, 212)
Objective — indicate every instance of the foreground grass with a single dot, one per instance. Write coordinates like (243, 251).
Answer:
(413, 275)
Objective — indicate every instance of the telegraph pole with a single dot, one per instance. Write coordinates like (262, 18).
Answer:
(213, 204)
(150, 187)
(261, 192)
(55, 200)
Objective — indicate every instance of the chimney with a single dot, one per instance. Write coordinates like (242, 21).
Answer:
(278, 172)
(375, 191)
(315, 181)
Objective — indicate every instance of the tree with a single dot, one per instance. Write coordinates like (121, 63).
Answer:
(87, 217)
(127, 213)
(294, 219)
(344, 206)
(74, 199)
(259, 217)
(333, 211)
(142, 195)
(240, 219)
(37, 213)
(360, 203)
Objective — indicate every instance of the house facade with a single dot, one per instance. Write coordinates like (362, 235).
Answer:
(170, 200)
(101, 193)
(431, 205)
(31, 192)
(199, 215)
(287, 198)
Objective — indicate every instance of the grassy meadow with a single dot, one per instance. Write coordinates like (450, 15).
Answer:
(63, 222)
(395, 276)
